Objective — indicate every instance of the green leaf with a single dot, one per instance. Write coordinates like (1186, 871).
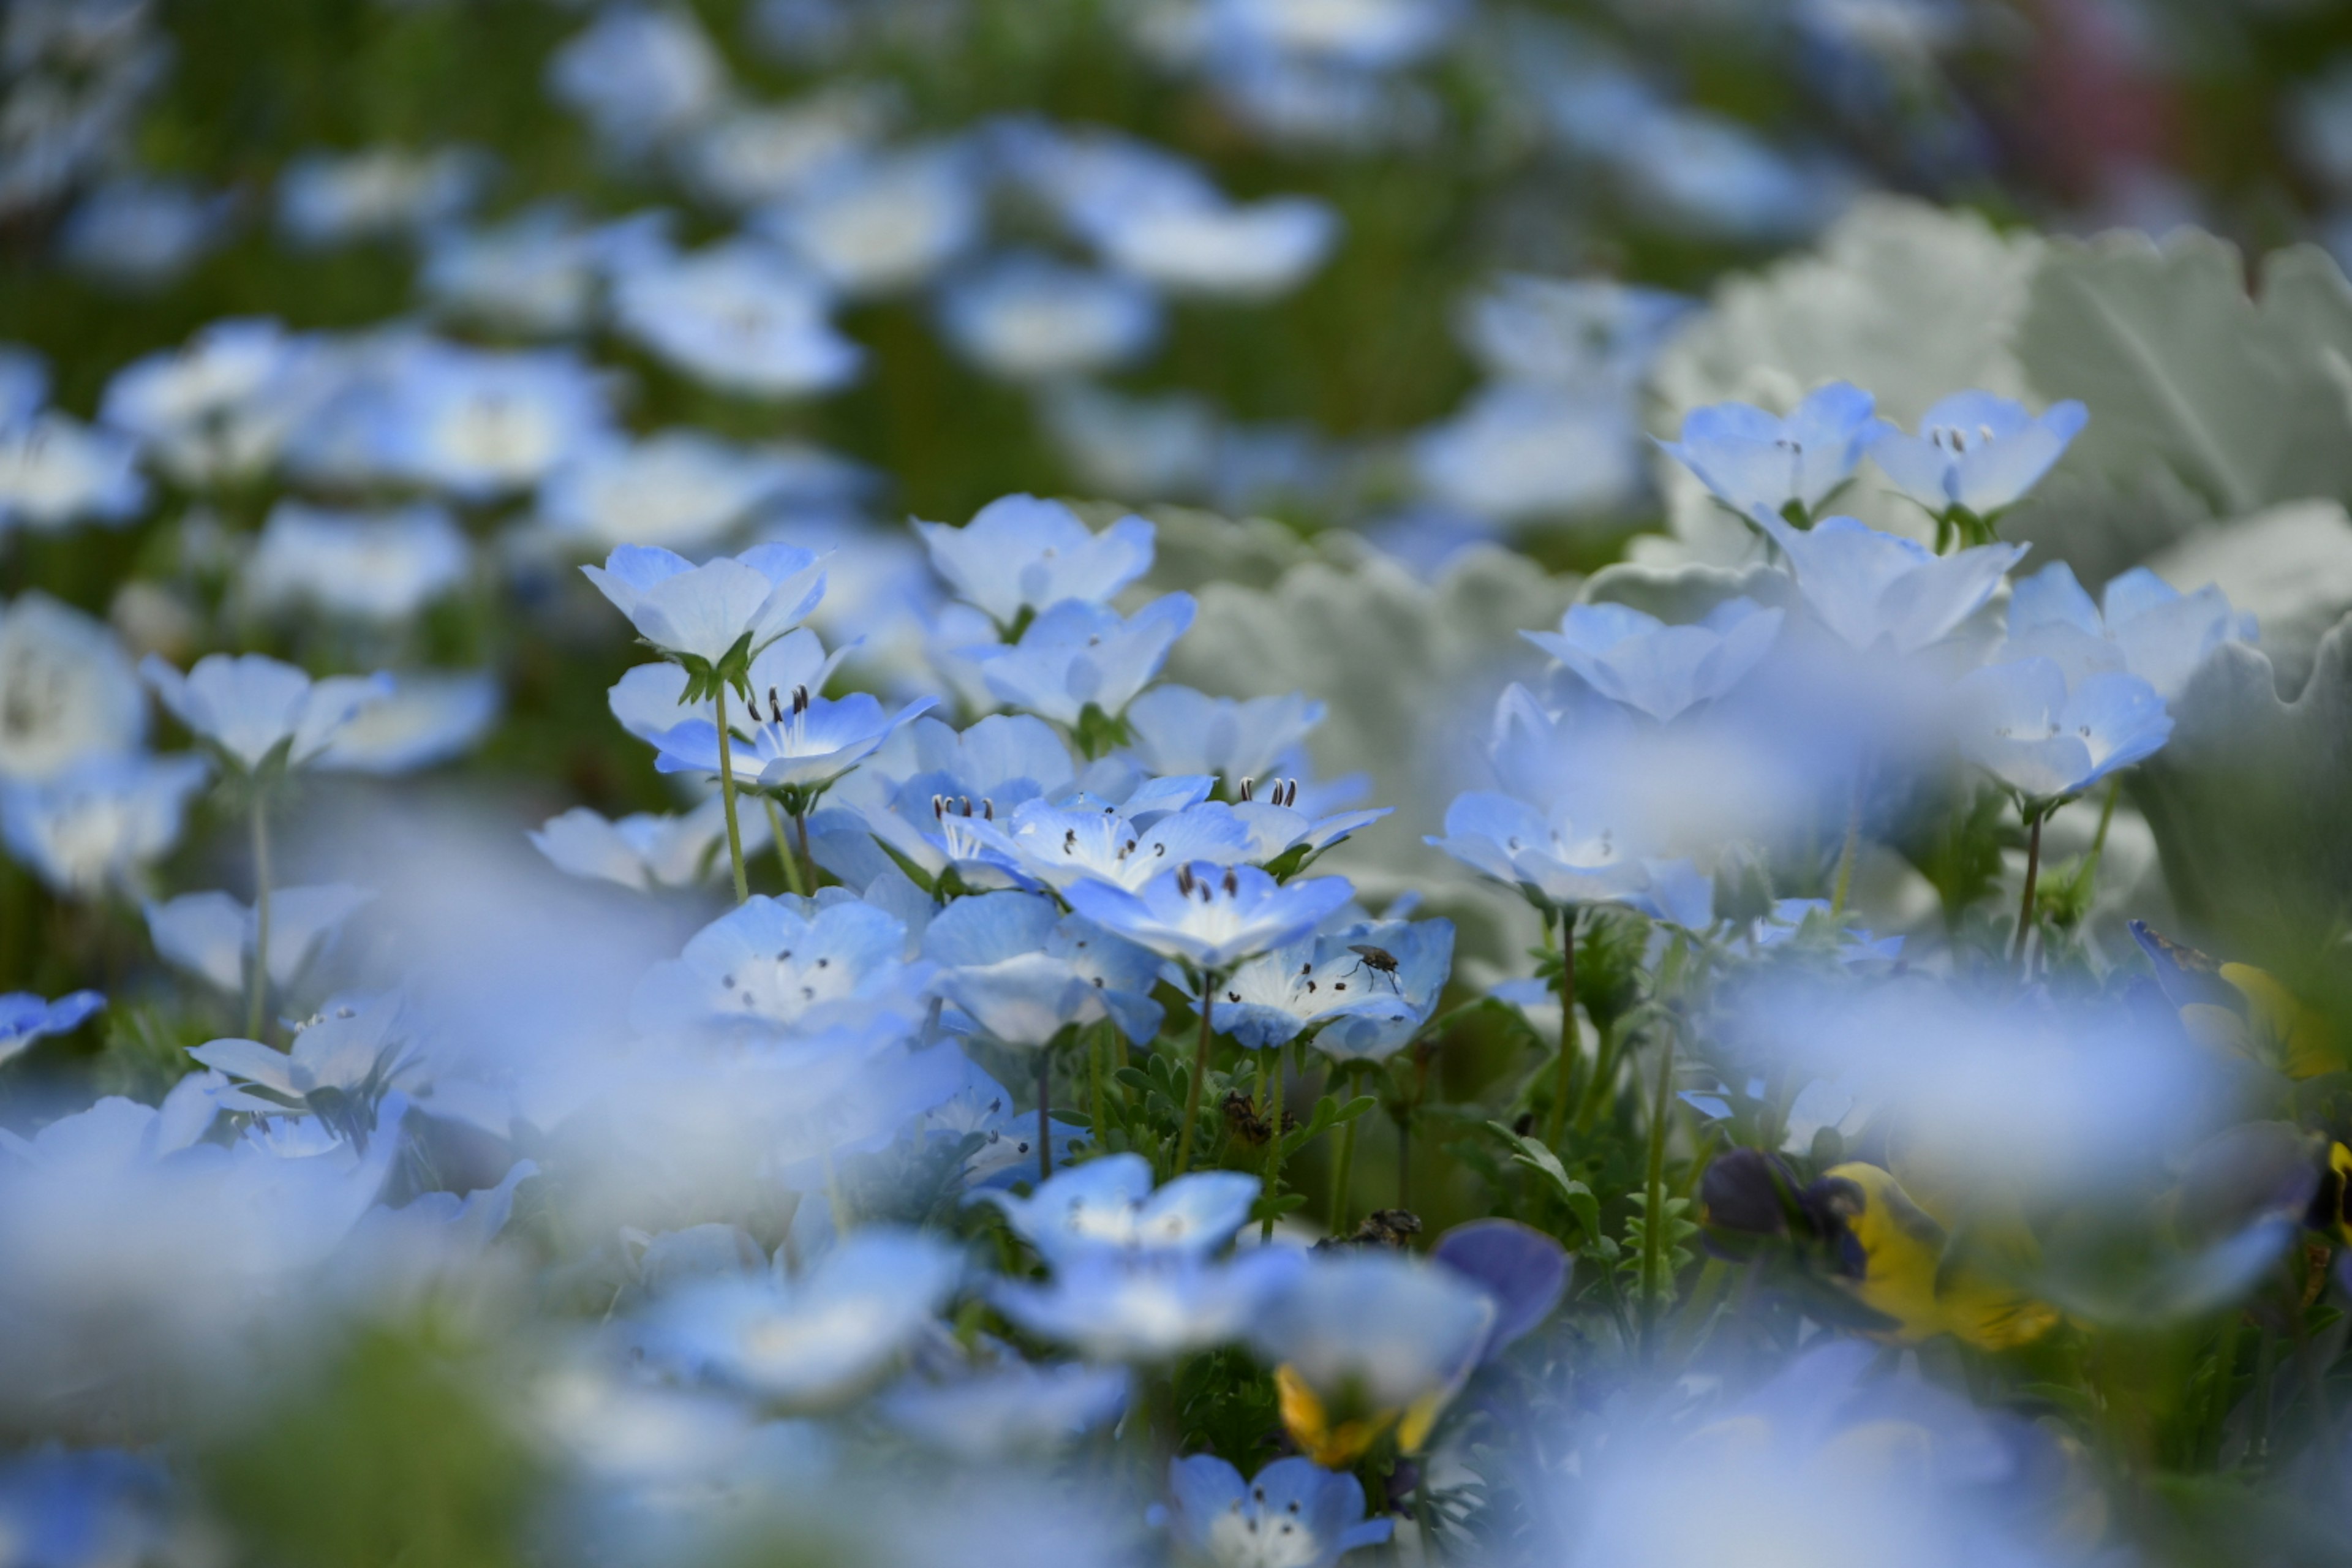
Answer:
(1534, 1156)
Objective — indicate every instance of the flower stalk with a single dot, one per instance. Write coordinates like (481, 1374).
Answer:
(727, 795)
(258, 989)
(1200, 1076)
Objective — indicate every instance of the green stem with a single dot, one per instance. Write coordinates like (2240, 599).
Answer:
(1342, 1169)
(256, 1004)
(726, 793)
(1272, 1143)
(783, 848)
(2033, 874)
(1555, 1120)
(1852, 846)
(2099, 839)
(1653, 1206)
(1603, 1083)
(1044, 1113)
(808, 862)
(1200, 1077)
(1096, 1049)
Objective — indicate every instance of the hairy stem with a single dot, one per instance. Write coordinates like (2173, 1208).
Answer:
(791, 868)
(1342, 1169)
(807, 860)
(257, 988)
(1096, 1049)
(1653, 1204)
(727, 795)
(1852, 846)
(2032, 874)
(1272, 1142)
(1200, 1077)
(1556, 1122)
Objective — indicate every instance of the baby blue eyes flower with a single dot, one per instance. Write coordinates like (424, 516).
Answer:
(739, 317)
(1365, 987)
(1022, 553)
(1564, 862)
(1063, 845)
(1753, 461)
(56, 471)
(1176, 729)
(1120, 1310)
(1204, 245)
(1011, 1408)
(1211, 917)
(212, 935)
(1293, 1513)
(1880, 591)
(24, 1017)
(1107, 1208)
(260, 713)
(98, 824)
(1518, 1269)
(1660, 670)
(1975, 451)
(703, 615)
(1077, 656)
(2144, 625)
(1023, 972)
(381, 566)
(1372, 1331)
(813, 1341)
(678, 489)
(342, 1064)
(429, 716)
(2025, 726)
(799, 750)
(645, 851)
(1026, 318)
(767, 963)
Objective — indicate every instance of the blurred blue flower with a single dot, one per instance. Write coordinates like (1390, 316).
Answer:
(1025, 316)
(1007, 1152)
(24, 383)
(1201, 243)
(799, 751)
(792, 961)
(1107, 1208)
(640, 74)
(139, 233)
(327, 199)
(223, 406)
(1210, 917)
(1520, 452)
(1023, 553)
(67, 1507)
(1753, 460)
(473, 422)
(1552, 856)
(1378, 36)
(702, 614)
(2143, 625)
(678, 488)
(739, 317)
(381, 566)
(534, 273)
(96, 825)
(1120, 1310)
(1292, 1512)
(1076, 656)
(1883, 593)
(212, 935)
(1327, 982)
(430, 718)
(56, 471)
(68, 688)
(813, 1341)
(1787, 920)
(1519, 1269)
(258, 713)
(2027, 726)
(884, 222)
(1977, 451)
(1176, 729)
(645, 850)
(1639, 660)
(339, 1067)
(1008, 1409)
(1569, 333)
(1022, 971)
(25, 1017)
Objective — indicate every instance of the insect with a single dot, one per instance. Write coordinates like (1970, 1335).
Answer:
(1380, 961)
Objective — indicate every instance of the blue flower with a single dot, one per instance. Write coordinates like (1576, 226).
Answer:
(1552, 856)
(1022, 553)
(650, 699)
(706, 613)
(813, 1341)
(919, 794)
(1639, 660)
(1077, 656)
(1008, 1148)
(639, 74)
(1023, 972)
(1107, 1208)
(379, 566)
(883, 222)
(1787, 921)
(1176, 729)
(475, 423)
(25, 1017)
(430, 717)
(806, 965)
(680, 488)
(1117, 1309)
(1975, 451)
(223, 406)
(799, 751)
(2027, 727)
(1327, 982)
(67, 686)
(644, 850)
(1010, 1408)
(1210, 917)
(1521, 1269)
(56, 471)
(211, 935)
(1292, 1512)
(1201, 243)
(1880, 591)
(2143, 625)
(258, 713)
(100, 823)
(1753, 461)
(737, 316)
(326, 199)
(342, 1064)
(1027, 318)
(1365, 1341)
(69, 1508)
(1061, 846)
